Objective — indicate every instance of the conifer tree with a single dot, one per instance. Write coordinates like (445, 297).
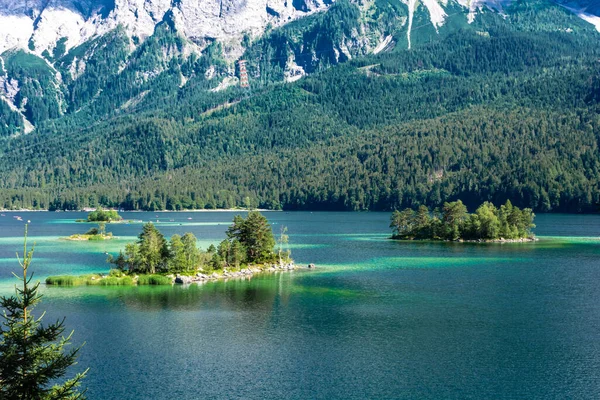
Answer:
(153, 249)
(33, 356)
(255, 235)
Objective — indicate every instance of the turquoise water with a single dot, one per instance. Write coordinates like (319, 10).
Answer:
(376, 319)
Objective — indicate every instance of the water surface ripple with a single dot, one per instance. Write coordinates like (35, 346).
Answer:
(377, 319)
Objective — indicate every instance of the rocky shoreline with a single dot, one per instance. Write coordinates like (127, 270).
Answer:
(153, 279)
(502, 240)
(242, 273)
(84, 237)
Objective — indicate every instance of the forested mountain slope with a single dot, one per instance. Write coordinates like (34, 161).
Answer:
(503, 107)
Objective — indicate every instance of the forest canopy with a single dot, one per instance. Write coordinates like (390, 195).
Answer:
(507, 107)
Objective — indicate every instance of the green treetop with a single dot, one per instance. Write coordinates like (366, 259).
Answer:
(184, 254)
(255, 234)
(101, 215)
(152, 253)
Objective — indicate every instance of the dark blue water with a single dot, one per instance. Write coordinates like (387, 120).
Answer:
(377, 319)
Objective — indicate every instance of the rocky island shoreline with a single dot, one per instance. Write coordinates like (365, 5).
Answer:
(502, 240)
(242, 273)
(111, 279)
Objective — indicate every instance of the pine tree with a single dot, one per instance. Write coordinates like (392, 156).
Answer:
(153, 249)
(454, 217)
(192, 253)
(177, 262)
(255, 235)
(33, 356)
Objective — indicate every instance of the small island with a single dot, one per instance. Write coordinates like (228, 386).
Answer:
(453, 223)
(101, 215)
(250, 247)
(98, 233)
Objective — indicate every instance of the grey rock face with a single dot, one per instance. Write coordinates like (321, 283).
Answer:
(42, 23)
(39, 25)
(9, 87)
(181, 279)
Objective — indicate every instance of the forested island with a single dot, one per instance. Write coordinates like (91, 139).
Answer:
(453, 222)
(250, 247)
(98, 233)
(102, 215)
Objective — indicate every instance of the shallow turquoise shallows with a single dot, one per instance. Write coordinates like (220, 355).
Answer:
(377, 319)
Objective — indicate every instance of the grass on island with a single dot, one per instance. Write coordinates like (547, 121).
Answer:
(488, 224)
(114, 278)
(118, 278)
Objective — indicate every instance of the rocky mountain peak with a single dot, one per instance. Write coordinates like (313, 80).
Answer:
(40, 24)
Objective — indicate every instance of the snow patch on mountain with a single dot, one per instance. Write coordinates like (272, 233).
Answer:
(437, 15)
(55, 24)
(9, 88)
(293, 71)
(477, 6)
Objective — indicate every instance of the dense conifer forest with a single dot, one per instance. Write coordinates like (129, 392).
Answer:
(504, 108)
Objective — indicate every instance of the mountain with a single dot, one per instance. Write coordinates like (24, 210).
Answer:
(42, 25)
(87, 45)
(351, 105)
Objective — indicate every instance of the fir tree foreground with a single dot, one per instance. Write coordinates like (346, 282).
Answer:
(33, 356)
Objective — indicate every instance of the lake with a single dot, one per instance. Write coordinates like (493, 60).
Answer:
(376, 319)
